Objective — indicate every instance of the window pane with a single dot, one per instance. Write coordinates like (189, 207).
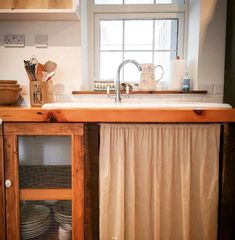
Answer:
(166, 34)
(138, 1)
(111, 35)
(170, 1)
(108, 1)
(131, 73)
(137, 43)
(140, 57)
(163, 59)
(138, 34)
(109, 62)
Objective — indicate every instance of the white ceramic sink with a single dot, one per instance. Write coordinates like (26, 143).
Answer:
(134, 105)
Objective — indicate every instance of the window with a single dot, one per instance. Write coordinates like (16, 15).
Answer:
(149, 33)
(137, 1)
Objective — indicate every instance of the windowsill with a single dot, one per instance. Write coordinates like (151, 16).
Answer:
(144, 92)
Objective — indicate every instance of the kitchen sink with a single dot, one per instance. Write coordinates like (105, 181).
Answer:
(135, 105)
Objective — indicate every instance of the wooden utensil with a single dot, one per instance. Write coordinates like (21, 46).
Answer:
(48, 70)
(39, 74)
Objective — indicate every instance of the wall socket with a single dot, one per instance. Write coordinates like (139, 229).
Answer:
(14, 40)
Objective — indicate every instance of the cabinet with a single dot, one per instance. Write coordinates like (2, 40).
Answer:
(39, 4)
(44, 180)
(39, 10)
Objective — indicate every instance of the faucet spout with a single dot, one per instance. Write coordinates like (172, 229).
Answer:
(117, 87)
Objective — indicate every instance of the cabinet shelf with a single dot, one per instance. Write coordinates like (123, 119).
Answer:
(45, 177)
(45, 194)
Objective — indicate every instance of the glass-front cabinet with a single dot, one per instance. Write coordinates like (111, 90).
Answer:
(39, 10)
(44, 181)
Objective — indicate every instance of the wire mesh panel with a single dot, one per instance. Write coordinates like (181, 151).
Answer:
(44, 162)
(45, 220)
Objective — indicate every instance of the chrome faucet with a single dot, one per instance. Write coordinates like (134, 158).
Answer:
(117, 87)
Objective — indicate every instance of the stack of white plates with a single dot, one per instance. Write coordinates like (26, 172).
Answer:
(63, 212)
(34, 221)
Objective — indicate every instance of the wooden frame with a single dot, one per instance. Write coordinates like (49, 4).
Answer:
(2, 191)
(14, 194)
(227, 192)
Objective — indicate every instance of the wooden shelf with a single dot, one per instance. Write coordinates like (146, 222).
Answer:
(143, 92)
(46, 194)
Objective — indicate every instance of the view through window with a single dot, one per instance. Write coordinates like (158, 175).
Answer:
(145, 37)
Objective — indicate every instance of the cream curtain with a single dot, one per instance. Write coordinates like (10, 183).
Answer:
(159, 181)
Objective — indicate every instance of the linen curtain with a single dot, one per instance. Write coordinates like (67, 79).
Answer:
(159, 181)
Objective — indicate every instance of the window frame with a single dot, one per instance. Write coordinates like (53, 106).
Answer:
(132, 11)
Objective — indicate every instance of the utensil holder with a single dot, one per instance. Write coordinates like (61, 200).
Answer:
(38, 93)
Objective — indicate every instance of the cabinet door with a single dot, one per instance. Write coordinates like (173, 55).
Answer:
(36, 4)
(2, 195)
(44, 176)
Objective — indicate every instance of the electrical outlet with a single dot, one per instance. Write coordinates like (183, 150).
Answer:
(14, 40)
(41, 41)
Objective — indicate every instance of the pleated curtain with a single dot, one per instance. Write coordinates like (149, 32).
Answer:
(159, 181)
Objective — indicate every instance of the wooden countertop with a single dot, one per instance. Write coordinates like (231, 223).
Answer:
(24, 114)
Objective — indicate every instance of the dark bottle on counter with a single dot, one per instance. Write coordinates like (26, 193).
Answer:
(186, 86)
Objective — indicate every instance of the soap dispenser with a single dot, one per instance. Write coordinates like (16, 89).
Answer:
(186, 85)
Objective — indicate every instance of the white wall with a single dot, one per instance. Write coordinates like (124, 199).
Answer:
(206, 42)
(193, 40)
(64, 47)
(212, 42)
(67, 46)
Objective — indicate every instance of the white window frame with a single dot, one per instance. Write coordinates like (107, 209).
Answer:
(132, 11)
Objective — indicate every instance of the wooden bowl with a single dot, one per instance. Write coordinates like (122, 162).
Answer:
(9, 95)
(6, 85)
(8, 81)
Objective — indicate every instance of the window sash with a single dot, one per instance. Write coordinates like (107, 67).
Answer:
(137, 16)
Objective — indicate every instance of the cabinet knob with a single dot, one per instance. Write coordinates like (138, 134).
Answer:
(8, 183)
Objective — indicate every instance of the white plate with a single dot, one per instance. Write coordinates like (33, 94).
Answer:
(25, 236)
(33, 214)
(35, 224)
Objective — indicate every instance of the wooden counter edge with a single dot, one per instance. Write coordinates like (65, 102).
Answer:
(20, 114)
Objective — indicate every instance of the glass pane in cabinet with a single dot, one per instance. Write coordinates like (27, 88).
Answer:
(44, 162)
(45, 220)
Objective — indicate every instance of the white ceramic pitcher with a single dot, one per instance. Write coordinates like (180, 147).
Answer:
(147, 77)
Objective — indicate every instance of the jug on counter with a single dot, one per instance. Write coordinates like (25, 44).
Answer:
(147, 77)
